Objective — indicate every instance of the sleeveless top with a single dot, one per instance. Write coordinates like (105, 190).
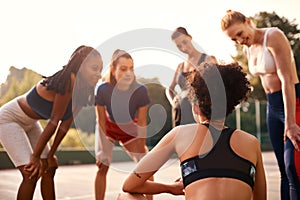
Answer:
(42, 107)
(265, 62)
(220, 162)
(181, 78)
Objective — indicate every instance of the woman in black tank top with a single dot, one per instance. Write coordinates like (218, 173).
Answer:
(182, 111)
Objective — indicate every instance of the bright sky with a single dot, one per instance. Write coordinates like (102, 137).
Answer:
(41, 35)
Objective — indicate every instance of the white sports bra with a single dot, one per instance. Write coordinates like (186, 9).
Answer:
(265, 63)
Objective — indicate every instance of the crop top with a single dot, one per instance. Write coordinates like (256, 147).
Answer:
(43, 107)
(265, 63)
(221, 161)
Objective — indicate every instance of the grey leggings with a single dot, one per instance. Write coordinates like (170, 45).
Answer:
(19, 133)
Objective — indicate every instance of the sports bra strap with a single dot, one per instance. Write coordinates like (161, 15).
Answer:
(265, 37)
(202, 59)
(205, 124)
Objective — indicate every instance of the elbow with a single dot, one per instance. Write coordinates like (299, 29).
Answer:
(53, 124)
(54, 121)
(128, 187)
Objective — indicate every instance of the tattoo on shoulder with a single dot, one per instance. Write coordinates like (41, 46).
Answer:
(135, 173)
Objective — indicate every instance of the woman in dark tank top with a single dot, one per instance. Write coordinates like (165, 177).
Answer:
(181, 108)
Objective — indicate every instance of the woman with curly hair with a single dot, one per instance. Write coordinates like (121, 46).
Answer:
(217, 162)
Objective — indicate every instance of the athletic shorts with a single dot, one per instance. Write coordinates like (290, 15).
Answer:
(123, 133)
(19, 133)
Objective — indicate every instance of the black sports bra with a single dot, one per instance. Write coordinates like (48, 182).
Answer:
(221, 161)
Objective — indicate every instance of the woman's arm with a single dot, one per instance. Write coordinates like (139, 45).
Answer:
(142, 123)
(105, 143)
(59, 108)
(137, 181)
(60, 104)
(280, 48)
(170, 91)
(60, 134)
(101, 118)
(260, 186)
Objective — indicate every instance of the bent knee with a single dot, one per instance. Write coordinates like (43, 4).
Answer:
(27, 174)
(102, 168)
(50, 172)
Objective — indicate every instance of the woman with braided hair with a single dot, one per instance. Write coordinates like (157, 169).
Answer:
(57, 98)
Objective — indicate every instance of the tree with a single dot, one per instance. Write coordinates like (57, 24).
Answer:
(159, 113)
(265, 19)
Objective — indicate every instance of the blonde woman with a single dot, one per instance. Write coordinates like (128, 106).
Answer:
(271, 58)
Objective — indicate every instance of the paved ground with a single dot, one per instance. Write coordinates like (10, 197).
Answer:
(76, 182)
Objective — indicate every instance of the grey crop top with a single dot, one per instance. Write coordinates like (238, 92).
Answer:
(221, 161)
(43, 107)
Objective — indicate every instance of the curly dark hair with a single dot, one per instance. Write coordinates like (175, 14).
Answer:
(217, 89)
(60, 82)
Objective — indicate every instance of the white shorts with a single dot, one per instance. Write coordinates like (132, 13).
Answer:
(19, 133)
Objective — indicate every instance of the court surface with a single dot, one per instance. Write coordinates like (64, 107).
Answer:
(76, 182)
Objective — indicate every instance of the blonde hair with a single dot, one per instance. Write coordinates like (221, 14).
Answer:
(231, 17)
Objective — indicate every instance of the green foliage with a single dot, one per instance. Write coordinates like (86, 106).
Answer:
(86, 120)
(157, 97)
(76, 139)
(248, 118)
(248, 122)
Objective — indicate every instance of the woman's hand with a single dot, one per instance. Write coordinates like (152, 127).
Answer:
(176, 100)
(293, 133)
(34, 166)
(177, 187)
